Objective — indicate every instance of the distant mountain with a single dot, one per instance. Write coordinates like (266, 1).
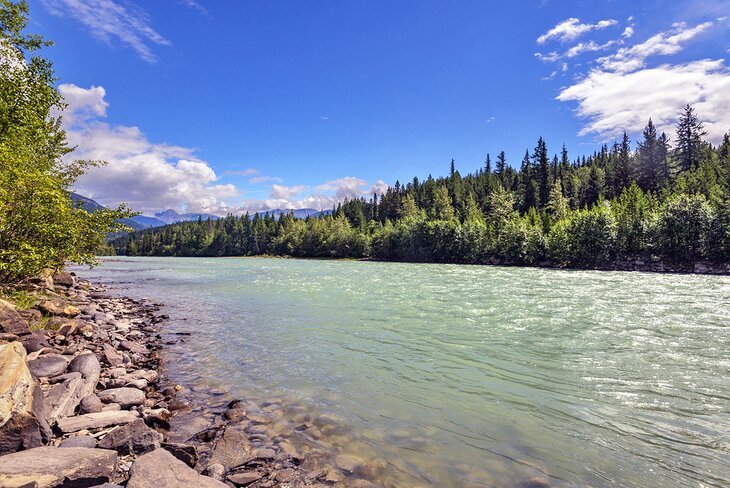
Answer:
(138, 222)
(170, 216)
(299, 213)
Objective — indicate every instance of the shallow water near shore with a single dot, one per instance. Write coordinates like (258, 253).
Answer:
(464, 375)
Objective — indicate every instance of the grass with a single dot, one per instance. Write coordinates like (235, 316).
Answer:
(22, 299)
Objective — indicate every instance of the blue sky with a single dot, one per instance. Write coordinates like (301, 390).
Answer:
(228, 106)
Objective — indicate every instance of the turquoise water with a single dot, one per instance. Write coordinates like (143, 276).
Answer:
(465, 375)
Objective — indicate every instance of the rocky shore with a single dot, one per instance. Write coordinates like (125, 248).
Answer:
(84, 402)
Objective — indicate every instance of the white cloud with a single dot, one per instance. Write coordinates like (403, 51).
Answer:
(665, 43)
(322, 197)
(148, 176)
(108, 20)
(571, 29)
(590, 46)
(613, 101)
(549, 57)
(628, 32)
(243, 172)
(281, 192)
(263, 179)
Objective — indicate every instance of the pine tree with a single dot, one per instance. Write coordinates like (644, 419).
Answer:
(624, 173)
(540, 158)
(453, 167)
(649, 158)
(488, 165)
(690, 131)
(501, 164)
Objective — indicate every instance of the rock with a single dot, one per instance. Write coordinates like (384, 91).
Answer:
(186, 453)
(245, 478)
(107, 485)
(125, 397)
(11, 321)
(347, 463)
(88, 365)
(112, 356)
(35, 341)
(32, 316)
(23, 422)
(64, 279)
(184, 428)
(57, 466)
(79, 441)
(160, 469)
(133, 438)
(235, 414)
(95, 420)
(371, 470)
(216, 471)
(285, 475)
(91, 404)
(58, 307)
(63, 398)
(48, 365)
(232, 449)
(157, 417)
(701, 268)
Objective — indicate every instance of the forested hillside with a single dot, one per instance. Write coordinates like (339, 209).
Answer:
(657, 199)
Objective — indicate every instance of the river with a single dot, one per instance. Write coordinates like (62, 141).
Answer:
(466, 376)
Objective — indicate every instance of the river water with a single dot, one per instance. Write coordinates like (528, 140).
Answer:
(466, 376)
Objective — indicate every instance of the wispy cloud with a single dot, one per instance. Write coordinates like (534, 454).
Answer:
(110, 21)
(242, 172)
(665, 43)
(572, 28)
(195, 6)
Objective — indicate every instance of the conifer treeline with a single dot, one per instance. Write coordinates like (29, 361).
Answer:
(661, 200)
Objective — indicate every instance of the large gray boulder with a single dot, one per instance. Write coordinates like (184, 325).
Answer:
(22, 410)
(48, 365)
(126, 397)
(160, 469)
(48, 467)
(11, 321)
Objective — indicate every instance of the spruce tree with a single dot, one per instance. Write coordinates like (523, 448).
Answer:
(649, 158)
(540, 158)
(690, 131)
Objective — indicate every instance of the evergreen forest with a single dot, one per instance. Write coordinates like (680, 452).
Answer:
(655, 199)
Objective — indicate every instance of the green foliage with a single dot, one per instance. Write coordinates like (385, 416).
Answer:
(39, 225)
(684, 227)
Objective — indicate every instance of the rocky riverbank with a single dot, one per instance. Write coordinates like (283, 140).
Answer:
(84, 402)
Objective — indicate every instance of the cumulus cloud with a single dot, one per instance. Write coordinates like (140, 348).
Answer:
(147, 175)
(109, 21)
(152, 176)
(665, 43)
(571, 29)
(320, 197)
(628, 32)
(613, 101)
